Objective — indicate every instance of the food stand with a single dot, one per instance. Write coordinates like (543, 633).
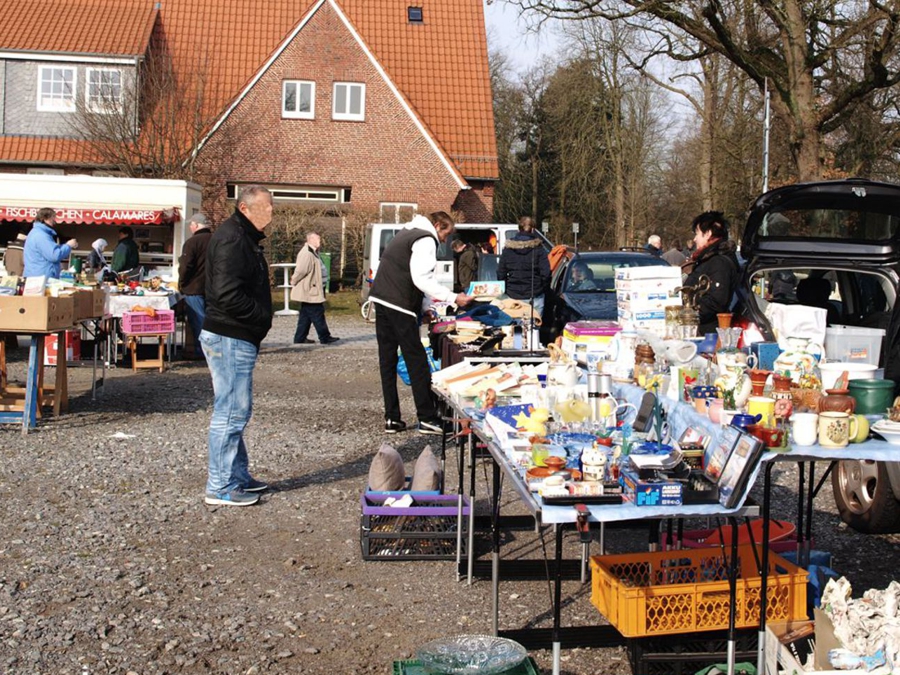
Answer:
(94, 207)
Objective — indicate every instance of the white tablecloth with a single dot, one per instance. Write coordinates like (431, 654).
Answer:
(117, 304)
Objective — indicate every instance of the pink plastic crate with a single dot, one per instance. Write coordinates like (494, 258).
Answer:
(137, 323)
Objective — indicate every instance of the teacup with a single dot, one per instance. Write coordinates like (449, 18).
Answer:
(743, 420)
(836, 429)
(804, 428)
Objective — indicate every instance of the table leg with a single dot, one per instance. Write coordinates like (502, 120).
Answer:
(32, 383)
(557, 600)
(495, 549)
(61, 395)
(732, 594)
(2, 363)
(471, 569)
(461, 472)
(764, 572)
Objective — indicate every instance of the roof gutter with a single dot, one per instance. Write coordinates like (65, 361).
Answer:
(68, 57)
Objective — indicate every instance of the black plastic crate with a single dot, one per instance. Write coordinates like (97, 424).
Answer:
(688, 653)
(426, 530)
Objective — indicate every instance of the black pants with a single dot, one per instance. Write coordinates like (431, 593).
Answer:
(311, 313)
(395, 330)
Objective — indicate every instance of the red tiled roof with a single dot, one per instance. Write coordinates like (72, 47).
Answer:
(440, 65)
(108, 27)
(46, 150)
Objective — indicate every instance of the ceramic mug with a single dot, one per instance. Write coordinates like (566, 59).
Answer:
(836, 429)
(763, 406)
(804, 428)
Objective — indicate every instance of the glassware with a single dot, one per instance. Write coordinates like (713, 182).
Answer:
(467, 654)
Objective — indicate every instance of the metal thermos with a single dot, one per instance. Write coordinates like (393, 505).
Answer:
(599, 387)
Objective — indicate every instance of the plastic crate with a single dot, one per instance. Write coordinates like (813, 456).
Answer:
(686, 591)
(424, 531)
(139, 323)
(853, 344)
(688, 654)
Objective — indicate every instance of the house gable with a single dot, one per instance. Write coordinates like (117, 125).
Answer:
(386, 157)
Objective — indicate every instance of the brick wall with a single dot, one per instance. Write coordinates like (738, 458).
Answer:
(383, 159)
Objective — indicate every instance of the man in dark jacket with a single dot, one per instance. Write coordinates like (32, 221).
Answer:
(524, 266)
(192, 274)
(714, 256)
(126, 255)
(465, 265)
(238, 317)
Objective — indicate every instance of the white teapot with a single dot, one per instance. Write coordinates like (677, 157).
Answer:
(562, 374)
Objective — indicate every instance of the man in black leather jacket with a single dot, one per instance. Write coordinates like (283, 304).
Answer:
(238, 317)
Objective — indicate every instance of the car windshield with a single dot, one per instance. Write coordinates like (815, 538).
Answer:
(598, 274)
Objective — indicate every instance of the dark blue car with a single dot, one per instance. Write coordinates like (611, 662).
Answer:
(583, 286)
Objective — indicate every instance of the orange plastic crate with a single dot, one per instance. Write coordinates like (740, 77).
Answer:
(137, 323)
(687, 591)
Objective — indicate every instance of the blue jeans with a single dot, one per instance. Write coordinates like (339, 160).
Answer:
(231, 364)
(195, 308)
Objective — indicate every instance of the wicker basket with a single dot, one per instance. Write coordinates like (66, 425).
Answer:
(806, 399)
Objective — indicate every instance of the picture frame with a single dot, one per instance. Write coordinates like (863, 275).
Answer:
(486, 290)
(743, 459)
(142, 233)
(717, 454)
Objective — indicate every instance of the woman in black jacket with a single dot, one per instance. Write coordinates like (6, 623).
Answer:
(715, 257)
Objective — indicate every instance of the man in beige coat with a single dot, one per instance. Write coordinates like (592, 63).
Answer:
(308, 290)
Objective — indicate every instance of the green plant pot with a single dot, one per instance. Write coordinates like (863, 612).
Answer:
(873, 397)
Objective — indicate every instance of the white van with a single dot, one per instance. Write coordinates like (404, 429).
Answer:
(489, 238)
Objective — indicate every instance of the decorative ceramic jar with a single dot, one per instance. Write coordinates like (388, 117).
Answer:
(758, 379)
(837, 400)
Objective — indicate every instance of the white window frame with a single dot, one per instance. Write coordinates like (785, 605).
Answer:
(299, 114)
(56, 103)
(398, 207)
(345, 115)
(94, 105)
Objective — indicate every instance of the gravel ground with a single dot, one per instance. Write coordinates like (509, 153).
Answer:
(110, 562)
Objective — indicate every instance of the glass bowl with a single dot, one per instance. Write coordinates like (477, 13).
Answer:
(470, 654)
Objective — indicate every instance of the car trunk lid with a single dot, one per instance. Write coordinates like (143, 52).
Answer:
(857, 219)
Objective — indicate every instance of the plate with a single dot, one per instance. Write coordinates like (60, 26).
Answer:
(470, 655)
(889, 433)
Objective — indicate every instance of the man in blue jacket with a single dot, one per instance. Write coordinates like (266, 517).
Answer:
(524, 266)
(238, 318)
(42, 254)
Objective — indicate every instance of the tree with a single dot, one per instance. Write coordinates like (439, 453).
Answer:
(821, 59)
(154, 127)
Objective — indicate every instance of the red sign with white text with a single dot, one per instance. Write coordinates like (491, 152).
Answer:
(96, 216)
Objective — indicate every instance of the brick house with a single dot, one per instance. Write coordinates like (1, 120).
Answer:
(380, 107)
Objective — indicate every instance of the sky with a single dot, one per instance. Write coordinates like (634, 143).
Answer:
(508, 33)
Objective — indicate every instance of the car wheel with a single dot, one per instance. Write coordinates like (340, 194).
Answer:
(864, 498)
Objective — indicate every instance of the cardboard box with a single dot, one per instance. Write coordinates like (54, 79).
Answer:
(644, 493)
(789, 645)
(652, 297)
(649, 272)
(36, 313)
(88, 303)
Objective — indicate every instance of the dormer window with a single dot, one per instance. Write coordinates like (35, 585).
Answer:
(104, 90)
(414, 14)
(56, 88)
